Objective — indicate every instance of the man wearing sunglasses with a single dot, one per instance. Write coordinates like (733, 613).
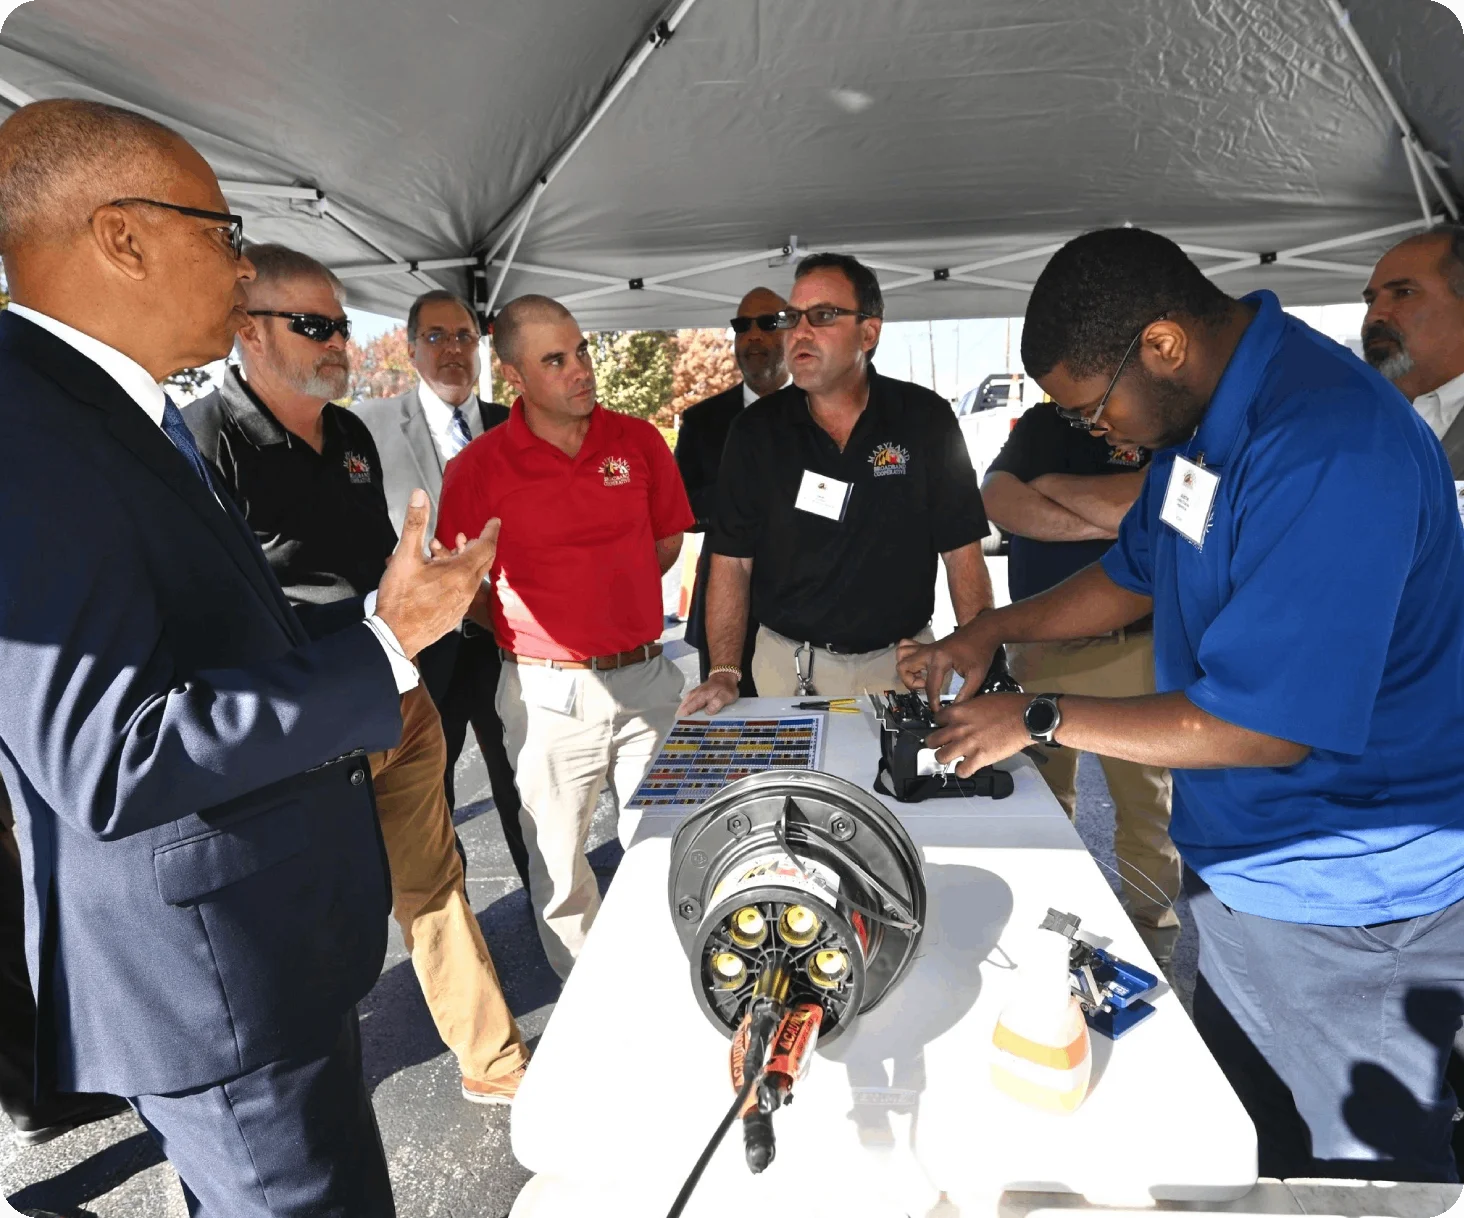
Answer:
(1298, 543)
(417, 433)
(306, 475)
(837, 496)
(757, 345)
(205, 886)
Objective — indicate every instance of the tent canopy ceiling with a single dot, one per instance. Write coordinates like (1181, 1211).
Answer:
(920, 135)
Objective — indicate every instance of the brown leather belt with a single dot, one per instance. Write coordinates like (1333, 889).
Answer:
(621, 659)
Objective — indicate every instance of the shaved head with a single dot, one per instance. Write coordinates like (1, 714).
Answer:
(759, 352)
(760, 300)
(61, 160)
(516, 314)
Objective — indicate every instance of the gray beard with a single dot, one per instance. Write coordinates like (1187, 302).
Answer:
(328, 384)
(1397, 365)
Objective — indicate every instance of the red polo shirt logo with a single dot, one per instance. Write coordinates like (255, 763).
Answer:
(615, 471)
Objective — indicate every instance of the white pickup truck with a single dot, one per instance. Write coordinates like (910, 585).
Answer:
(987, 415)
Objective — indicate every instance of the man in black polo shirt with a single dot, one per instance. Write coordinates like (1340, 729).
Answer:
(306, 475)
(835, 496)
(1061, 491)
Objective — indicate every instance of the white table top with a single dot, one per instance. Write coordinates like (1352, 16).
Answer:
(630, 1079)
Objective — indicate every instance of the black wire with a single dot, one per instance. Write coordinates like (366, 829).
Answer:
(706, 1156)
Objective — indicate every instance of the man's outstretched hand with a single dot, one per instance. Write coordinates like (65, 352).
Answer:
(929, 665)
(421, 599)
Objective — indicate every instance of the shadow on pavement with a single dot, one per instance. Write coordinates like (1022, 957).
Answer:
(92, 1177)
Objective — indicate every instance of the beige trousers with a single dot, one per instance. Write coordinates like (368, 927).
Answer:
(562, 758)
(449, 955)
(1114, 666)
(834, 676)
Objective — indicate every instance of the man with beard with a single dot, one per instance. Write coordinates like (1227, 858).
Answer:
(1297, 543)
(758, 348)
(304, 472)
(1414, 330)
(835, 499)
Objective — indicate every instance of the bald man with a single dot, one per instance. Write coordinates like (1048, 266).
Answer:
(1414, 330)
(757, 345)
(206, 889)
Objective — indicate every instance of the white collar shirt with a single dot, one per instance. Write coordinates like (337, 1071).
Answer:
(439, 421)
(1441, 407)
(749, 396)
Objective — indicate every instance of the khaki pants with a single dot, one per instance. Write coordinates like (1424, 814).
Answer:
(1115, 666)
(449, 956)
(834, 676)
(562, 759)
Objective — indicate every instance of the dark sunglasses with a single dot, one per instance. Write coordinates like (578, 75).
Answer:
(766, 322)
(1084, 421)
(819, 316)
(314, 326)
(235, 223)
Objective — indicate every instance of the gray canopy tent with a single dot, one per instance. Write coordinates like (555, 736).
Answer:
(646, 165)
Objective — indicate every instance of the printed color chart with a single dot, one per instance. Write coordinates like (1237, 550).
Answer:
(701, 756)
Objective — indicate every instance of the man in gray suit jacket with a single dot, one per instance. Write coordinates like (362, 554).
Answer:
(417, 434)
(1414, 330)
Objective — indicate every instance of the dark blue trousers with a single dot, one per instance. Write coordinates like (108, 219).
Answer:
(1335, 1038)
(293, 1139)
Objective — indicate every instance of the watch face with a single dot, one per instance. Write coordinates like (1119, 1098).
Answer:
(1040, 717)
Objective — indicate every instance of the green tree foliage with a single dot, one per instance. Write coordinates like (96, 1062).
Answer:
(381, 368)
(633, 369)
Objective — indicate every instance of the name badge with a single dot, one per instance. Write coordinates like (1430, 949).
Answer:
(1459, 491)
(1189, 500)
(550, 688)
(822, 495)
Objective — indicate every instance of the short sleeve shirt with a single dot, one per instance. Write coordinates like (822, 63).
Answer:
(867, 580)
(1326, 607)
(576, 573)
(1043, 442)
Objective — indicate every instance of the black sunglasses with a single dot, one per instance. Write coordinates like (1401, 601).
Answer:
(1081, 419)
(819, 316)
(766, 322)
(235, 223)
(314, 326)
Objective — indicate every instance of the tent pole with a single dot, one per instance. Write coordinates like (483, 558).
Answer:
(351, 228)
(1417, 177)
(657, 37)
(267, 190)
(523, 227)
(1410, 136)
(16, 97)
(1391, 230)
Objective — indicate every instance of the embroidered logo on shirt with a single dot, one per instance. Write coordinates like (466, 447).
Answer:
(357, 467)
(615, 470)
(1129, 458)
(889, 459)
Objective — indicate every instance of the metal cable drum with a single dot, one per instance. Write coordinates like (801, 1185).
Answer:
(799, 869)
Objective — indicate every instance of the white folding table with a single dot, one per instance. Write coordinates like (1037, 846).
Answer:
(898, 1116)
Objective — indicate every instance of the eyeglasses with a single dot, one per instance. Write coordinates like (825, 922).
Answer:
(1080, 418)
(819, 316)
(441, 338)
(766, 322)
(235, 223)
(314, 326)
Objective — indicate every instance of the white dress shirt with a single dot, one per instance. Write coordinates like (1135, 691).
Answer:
(439, 421)
(1441, 407)
(749, 396)
(137, 383)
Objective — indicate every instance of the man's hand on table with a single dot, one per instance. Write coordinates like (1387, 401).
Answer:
(717, 691)
(421, 599)
(980, 731)
(930, 665)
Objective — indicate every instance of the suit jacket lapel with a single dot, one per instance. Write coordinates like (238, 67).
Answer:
(84, 380)
(422, 446)
(1454, 446)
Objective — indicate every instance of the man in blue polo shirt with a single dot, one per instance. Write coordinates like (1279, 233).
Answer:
(1298, 543)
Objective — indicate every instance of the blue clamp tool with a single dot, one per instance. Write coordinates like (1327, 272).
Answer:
(1111, 991)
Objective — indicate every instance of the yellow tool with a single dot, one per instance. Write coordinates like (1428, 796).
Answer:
(837, 706)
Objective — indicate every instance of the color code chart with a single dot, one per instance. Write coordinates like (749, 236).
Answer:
(701, 756)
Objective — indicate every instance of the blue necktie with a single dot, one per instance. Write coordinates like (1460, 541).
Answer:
(177, 431)
(462, 435)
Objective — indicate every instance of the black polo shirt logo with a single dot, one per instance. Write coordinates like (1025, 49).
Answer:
(889, 459)
(1129, 458)
(357, 467)
(615, 471)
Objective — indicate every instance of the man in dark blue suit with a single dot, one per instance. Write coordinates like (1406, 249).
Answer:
(206, 889)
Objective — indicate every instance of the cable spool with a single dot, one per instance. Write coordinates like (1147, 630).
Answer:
(800, 872)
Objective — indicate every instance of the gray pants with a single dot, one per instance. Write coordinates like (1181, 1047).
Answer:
(613, 725)
(1335, 1037)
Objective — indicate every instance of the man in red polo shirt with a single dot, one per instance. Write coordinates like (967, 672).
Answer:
(593, 510)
